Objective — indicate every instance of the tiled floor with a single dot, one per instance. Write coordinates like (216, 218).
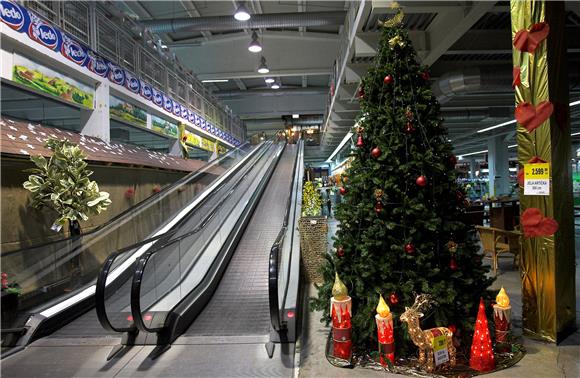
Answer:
(541, 361)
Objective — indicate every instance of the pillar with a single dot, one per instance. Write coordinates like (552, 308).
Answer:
(548, 262)
(96, 122)
(472, 168)
(498, 164)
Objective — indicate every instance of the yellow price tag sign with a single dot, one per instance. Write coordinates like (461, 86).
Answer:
(537, 171)
(440, 351)
(537, 179)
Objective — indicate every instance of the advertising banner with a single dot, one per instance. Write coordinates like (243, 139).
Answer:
(36, 76)
(127, 112)
(164, 127)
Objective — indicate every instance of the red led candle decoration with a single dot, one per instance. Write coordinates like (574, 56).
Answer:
(341, 311)
(482, 358)
(384, 320)
(502, 316)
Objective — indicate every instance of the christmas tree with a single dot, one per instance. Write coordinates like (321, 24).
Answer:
(311, 200)
(482, 358)
(400, 217)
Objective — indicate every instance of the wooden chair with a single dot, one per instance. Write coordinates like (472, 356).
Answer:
(497, 242)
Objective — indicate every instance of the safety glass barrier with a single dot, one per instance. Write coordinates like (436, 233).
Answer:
(114, 284)
(166, 275)
(42, 275)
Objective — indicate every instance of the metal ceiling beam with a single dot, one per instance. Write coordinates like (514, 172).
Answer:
(448, 27)
(258, 21)
(253, 74)
(220, 38)
(240, 85)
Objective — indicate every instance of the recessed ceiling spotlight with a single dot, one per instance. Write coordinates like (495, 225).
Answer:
(269, 80)
(255, 45)
(263, 67)
(242, 13)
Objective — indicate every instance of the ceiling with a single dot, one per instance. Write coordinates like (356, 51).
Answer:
(460, 41)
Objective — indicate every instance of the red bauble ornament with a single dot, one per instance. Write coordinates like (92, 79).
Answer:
(340, 251)
(409, 129)
(376, 152)
(130, 193)
(388, 79)
(409, 248)
(359, 142)
(452, 328)
(421, 181)
(425, 75)
(342, 190)
(394, 298)
(378, 207)
(453, 263)
(452, 160)
(361, 92)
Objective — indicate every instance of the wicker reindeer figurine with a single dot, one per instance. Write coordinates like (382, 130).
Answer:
(424, 339)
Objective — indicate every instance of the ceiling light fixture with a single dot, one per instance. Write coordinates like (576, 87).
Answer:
(255, 45)
(215, 81)
(263, 67)
(275, 86)
(242, 13)
(269, 80)
(295, 116)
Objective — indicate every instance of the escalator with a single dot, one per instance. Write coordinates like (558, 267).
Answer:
(208, 298)
(57, 279)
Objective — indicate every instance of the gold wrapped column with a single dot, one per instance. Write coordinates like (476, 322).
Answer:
(543, 131)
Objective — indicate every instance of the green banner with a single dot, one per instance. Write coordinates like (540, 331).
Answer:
(164, 127)
(127, 112)
(36, 76)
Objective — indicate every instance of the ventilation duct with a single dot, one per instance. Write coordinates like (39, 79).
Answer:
(258, 21)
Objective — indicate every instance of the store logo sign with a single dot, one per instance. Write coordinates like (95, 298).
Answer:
(97, 65)
(146, 90)
(176, 108)
(167, 103)
(116, 74)
(12, 15)
(191, 117)
(157, 97)
(184, 112)
(43, 33)
(132, 83)
(73, 51)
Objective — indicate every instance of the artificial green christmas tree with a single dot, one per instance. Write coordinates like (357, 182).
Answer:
(400, 216)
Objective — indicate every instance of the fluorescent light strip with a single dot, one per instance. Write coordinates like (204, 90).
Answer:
(496, 126)
(117, 272)
(339, 147)
(473, 153)
(514, 121)
(573, 134)
(215, 81)
(512, 145)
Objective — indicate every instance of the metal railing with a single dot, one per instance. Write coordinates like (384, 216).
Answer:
(98, 26)
(274, 261)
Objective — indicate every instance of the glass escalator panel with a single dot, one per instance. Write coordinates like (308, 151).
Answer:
(49, 273)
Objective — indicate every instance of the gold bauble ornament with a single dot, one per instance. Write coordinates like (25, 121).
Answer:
(396, 41)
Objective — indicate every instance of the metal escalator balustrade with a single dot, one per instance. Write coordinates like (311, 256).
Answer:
(114, 282)
(165, 276)
(283, 263)
(52, 308)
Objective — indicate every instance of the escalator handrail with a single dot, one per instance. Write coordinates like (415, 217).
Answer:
(141, 204)
(145, 258)
(100, 290)
(273, 261)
